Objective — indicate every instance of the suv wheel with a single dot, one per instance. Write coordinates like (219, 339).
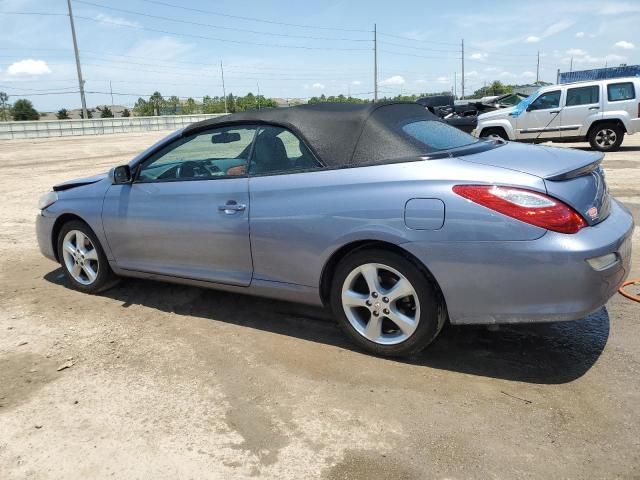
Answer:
(386, 304)
(494, 133)
(606, 137)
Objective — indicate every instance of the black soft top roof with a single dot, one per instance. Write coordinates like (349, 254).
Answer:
(340, 133)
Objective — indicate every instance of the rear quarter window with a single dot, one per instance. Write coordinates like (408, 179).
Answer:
(620, 91)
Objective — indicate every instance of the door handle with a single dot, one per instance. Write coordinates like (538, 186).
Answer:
(553, 112)
(232, 207)
(594, 108)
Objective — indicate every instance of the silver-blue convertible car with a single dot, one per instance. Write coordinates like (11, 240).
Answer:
(386, 214)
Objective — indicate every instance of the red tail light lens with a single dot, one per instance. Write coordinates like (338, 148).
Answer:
(525, 205)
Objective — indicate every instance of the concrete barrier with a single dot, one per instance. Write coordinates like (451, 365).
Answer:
(96, 126)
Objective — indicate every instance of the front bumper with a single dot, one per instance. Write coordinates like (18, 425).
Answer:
(44, 234)
(547, 279)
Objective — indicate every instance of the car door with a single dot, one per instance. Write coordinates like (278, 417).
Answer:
(186, 214)
(582, 107)
(542, 118)
(284, 232)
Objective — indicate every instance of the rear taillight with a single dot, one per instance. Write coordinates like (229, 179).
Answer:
(531, 207)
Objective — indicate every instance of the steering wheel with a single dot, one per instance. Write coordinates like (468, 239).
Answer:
(190, 169)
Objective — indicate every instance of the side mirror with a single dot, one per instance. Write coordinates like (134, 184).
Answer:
(529, 109)
(120, 175)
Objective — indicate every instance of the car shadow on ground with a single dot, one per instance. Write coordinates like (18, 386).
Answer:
(548, 353)
(630, 148)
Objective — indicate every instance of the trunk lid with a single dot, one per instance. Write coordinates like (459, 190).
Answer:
(572, 176)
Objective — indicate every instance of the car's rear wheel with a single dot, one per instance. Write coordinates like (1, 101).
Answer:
(385, 303)
(82, 258)
(606, 137)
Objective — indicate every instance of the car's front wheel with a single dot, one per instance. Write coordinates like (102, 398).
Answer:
(385, 303)
(82, 258)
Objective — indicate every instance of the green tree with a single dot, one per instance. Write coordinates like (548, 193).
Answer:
(189, 107)
(23, 110)
(142, 108)
(4, 107)
(89, 113)
(62, 114)
(173, 103)
(157, 102)
(105, 112)
(126, 112)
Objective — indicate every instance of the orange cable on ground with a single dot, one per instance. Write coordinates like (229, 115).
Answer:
(630, 296)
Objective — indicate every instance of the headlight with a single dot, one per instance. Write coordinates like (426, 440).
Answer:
(47, 200)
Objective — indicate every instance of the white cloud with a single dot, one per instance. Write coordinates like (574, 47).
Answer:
(585, 58)
(528, 74)
(579, 34)
(625, 45)
(415, 35)
(478, 56)
(442, 79)
(556, 28)
(167, 48)
(108, 19)
(356, 82)
(394, 80)
(318, 86)
(471, 74)
(576, 51)
(532, 39)
(29, 67)
(507, 75)
(491, 69)
(619, 8)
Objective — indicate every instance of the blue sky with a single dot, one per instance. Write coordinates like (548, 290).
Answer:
(283, 56)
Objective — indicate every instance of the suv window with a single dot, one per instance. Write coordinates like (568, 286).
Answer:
(583, 95)
(277, 150)
(546, 100)
(620, 91)
(206, 155)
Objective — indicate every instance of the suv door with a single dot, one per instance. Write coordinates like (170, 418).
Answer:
(582, 107)
(186, 214)
(541, 119)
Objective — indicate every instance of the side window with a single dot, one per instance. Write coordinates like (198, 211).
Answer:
(620, 91)
(212, 154)
(277, 150)
(583, 95)
(546, 100)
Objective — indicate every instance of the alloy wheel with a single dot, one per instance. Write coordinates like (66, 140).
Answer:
(380, 303)
(80, 257)
(606, 138)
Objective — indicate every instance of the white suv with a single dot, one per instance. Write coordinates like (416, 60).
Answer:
(600, 112)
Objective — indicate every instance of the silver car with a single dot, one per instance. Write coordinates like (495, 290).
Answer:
(386, 214)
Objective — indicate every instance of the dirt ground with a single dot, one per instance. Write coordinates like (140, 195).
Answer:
(166, 381)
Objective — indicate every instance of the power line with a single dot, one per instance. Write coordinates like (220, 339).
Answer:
(416, 40)
(418, 48)
(204, 37)
(419, 56)
(188, 22)
(253, 19)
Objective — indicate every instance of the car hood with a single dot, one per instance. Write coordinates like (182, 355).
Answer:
(500, 113)
(541, 161)
(78, 182)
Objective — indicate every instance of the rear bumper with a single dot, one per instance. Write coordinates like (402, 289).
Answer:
(44, 230)
(547, 279)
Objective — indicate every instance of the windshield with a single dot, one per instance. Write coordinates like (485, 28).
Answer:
(436, 135)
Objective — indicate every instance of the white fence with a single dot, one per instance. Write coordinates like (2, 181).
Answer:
(95, 126)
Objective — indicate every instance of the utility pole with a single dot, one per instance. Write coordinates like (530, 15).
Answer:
(538, 68)
(463, 69)
(571, 65)
(375, 63)
(455, 85)
(75, 48)
(111, 92)
(224, 91)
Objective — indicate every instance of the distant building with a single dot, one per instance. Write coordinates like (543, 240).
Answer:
(599, 74)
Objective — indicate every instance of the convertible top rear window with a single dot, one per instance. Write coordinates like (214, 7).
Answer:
(437, 135)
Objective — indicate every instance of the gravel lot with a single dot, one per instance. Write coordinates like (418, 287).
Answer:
(167, 381)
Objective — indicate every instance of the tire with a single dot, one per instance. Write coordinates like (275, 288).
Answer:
(77, 263)
(355, 304)
(494, 132)
(606, 137)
